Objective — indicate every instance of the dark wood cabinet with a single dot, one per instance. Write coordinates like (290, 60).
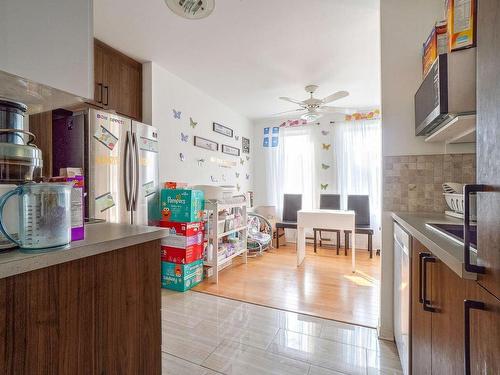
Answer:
(97, 315)
(118, 81)
(421, 329)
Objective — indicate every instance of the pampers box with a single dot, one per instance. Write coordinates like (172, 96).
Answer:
(181, 277)
(182, 205)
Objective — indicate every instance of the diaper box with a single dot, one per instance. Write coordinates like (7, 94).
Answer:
(182, 229)
(182, 205)
(181, 277)
(181, 256)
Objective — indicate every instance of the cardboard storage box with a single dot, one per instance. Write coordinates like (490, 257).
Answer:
(182, 229)
(181, 256)
(182, 205)
(181, 277)
(462, 18)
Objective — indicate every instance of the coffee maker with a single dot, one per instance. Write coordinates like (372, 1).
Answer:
(20, 159)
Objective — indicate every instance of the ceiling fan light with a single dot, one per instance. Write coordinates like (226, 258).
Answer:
(310, 116)
(191, 9)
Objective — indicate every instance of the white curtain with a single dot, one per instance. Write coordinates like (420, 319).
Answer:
(291, 168)
(357, 153)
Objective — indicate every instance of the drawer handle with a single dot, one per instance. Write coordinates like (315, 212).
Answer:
(468, 190)
(420, 257)
(468, 306)
(426, 303)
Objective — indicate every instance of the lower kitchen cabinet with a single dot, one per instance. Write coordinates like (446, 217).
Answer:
(484, 331)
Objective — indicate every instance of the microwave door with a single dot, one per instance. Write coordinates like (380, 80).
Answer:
(145, 188)
(109, 179)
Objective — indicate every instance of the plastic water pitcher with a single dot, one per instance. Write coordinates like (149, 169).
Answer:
(44, 215)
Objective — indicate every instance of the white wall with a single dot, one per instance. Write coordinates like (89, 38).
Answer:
(49, 42)
(163, 92)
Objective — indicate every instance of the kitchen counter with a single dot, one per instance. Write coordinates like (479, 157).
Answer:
(448, 251)
(99, 238)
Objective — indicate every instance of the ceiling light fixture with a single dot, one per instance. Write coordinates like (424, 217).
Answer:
(191, 9)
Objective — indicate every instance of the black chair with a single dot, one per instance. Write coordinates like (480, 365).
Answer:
(291, 204)
(360, 204)
(328, 202)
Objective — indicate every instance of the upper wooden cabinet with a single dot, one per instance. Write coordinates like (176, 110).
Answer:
(118, 81)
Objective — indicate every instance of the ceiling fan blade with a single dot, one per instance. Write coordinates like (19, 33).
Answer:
(299, 102)
(286, 112)
(338, 95)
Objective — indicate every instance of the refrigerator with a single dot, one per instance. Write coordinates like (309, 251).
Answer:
(119, 157)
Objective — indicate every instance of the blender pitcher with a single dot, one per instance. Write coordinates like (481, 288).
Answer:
(44, 215)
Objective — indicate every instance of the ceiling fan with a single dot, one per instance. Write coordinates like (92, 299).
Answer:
(313, 108)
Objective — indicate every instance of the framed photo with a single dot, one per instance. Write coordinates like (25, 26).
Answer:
(230, 150)
(224, 130)
(245, 145)
(206, 143)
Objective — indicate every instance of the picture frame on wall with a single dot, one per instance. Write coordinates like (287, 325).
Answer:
(224, 130)
(230, 150)
(245, 145)
(207, 144)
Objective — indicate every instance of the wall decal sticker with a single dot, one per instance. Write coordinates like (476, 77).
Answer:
(324, 166)
(237, 137)
(238, 187)
(325, 132)
(184, 137)
(248, 176)
(192, 123)
(242, 161)
(200, 162)
(324, 186)
(182, 157)
(213, 179)
(177, 114)
(326, 146)
(237, 174)
(248, 158)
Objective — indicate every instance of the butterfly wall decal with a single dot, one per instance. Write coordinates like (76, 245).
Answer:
(248, 158)
(242, 161)
(324, 186)
(237, 137)
(325, 132)
(238, 187)
(184, 137)
(223, 177)
(192, 123)
(237, 174)
(326, 146)
(177, 114)
(248, 176)
(200, 162)
(213, 179)
(324, 166)
(182, 157)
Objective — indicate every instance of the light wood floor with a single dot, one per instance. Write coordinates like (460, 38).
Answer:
(323, 286)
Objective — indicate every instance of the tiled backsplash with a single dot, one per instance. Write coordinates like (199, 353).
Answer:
(413, 183)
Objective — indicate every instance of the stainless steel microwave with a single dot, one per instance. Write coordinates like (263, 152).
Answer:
(448, 91)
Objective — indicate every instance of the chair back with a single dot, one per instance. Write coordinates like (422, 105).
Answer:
(291, 204)
(360, 204)
(329, 201)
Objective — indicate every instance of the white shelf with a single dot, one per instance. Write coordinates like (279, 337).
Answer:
(231, 232)
(461, 129)
(225, 260)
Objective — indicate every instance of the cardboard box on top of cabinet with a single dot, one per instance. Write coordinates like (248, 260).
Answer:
(181, 277)
(461, 16)
(182, 205)
(435, 45)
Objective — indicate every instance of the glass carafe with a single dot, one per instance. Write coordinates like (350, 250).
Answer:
(44, 215)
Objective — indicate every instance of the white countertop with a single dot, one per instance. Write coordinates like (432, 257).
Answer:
(448, 251)
(99, 238)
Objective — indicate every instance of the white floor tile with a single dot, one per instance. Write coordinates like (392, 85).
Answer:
(233, 358)
(319, 352)
(350, 334)
(315, 370)
(175, 366)
(379, 363)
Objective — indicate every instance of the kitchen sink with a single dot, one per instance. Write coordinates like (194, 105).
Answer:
(455, 232)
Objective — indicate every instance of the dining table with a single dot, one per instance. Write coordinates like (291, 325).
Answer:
(324, 219)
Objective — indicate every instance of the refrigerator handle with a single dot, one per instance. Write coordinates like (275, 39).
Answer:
(126, 174)
(136, 171)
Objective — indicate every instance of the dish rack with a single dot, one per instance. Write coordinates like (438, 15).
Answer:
(226, 234)
(456, 203)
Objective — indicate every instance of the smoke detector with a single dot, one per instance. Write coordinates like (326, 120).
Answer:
(191, 9)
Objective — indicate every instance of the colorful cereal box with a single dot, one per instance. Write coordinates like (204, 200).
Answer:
(182, 205)
(462, 18)
(435, 45)
(181, 277)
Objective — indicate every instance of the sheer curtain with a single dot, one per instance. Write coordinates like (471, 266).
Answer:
(291, 167)
(357, 151)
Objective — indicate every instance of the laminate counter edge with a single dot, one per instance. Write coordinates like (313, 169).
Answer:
(446, 250)
(99, 238)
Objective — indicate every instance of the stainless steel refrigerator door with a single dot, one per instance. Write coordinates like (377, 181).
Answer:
(145, 195)
(109, 176)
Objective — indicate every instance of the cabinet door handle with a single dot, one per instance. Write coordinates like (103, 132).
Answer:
(468, 306)
(468, 190)
(420, 257)
(426, 303)
(107, 95)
